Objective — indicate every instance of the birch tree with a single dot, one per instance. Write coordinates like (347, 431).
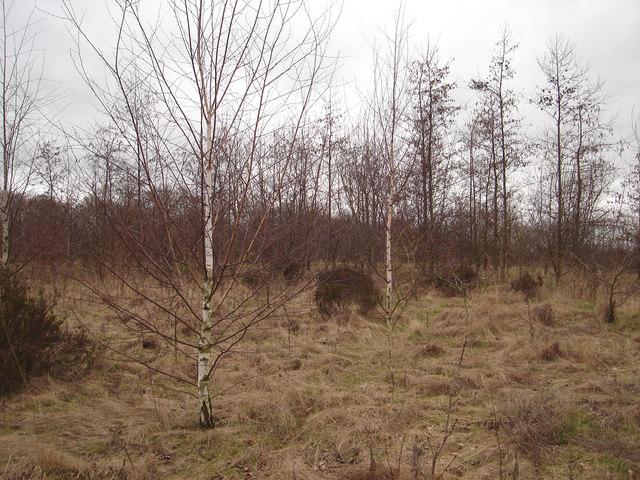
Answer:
(217, 77)
(389, 107)
(22, 97)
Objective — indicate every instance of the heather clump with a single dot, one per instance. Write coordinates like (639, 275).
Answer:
(344, 286)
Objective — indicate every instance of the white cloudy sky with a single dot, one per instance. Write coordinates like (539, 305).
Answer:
(606, 34)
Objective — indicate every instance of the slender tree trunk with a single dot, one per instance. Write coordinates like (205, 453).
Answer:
(390, 199)
(389, 266)
(557, 264)
(504, 247)
(496, 190)
(391, 192)
(473, 225)
(577, 221)
(4, 220)
(205, 416)
(4, 205)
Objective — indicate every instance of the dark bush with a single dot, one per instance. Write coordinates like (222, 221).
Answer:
(32, 341)
(343, 286)
(527, 285)
(294, 271)
(456, 281)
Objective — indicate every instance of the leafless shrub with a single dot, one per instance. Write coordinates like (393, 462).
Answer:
(456, 281)
(370, 474)
(255, 278)
(612, 279)
(436, 446)
(150, 343)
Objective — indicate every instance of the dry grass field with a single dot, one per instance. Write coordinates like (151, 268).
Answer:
(544, 390)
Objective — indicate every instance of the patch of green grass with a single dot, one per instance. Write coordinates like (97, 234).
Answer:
(45, 407)
(580, 424)
(219, 449)
(416, 336)
(449, 340)
(399, 329)
(351, 380)
(97, 448)
(631, 323)
(9, 428)
(613, 463)
(587, 306)
(479, 344)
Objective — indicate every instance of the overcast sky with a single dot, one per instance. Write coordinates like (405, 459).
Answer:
(606, 34)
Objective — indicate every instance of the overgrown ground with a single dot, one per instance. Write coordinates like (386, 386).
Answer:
(554, 397)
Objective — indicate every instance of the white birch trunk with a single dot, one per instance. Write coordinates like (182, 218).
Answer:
(205, 416)
(4, 225)
(389, 266)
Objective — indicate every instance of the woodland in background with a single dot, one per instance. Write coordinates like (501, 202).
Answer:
(474, 188)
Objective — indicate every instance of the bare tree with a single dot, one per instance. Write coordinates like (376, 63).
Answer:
(389, 107)
(631, 196)
(196, 106)
(472, 205)
(433, 114)
(363, 190)
(575, 147)
(504, 142)
(635, 195)
(22, 97)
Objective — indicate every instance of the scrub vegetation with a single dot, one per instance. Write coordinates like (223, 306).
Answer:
(318, 396)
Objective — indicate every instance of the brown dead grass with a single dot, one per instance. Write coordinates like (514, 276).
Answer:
(324, 400)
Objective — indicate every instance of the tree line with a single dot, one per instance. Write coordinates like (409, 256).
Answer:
(472, 186)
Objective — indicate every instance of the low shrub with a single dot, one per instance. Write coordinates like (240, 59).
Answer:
(527, 285)
(294, 271)
(32, 340)
(343, 286)
(456, 281)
